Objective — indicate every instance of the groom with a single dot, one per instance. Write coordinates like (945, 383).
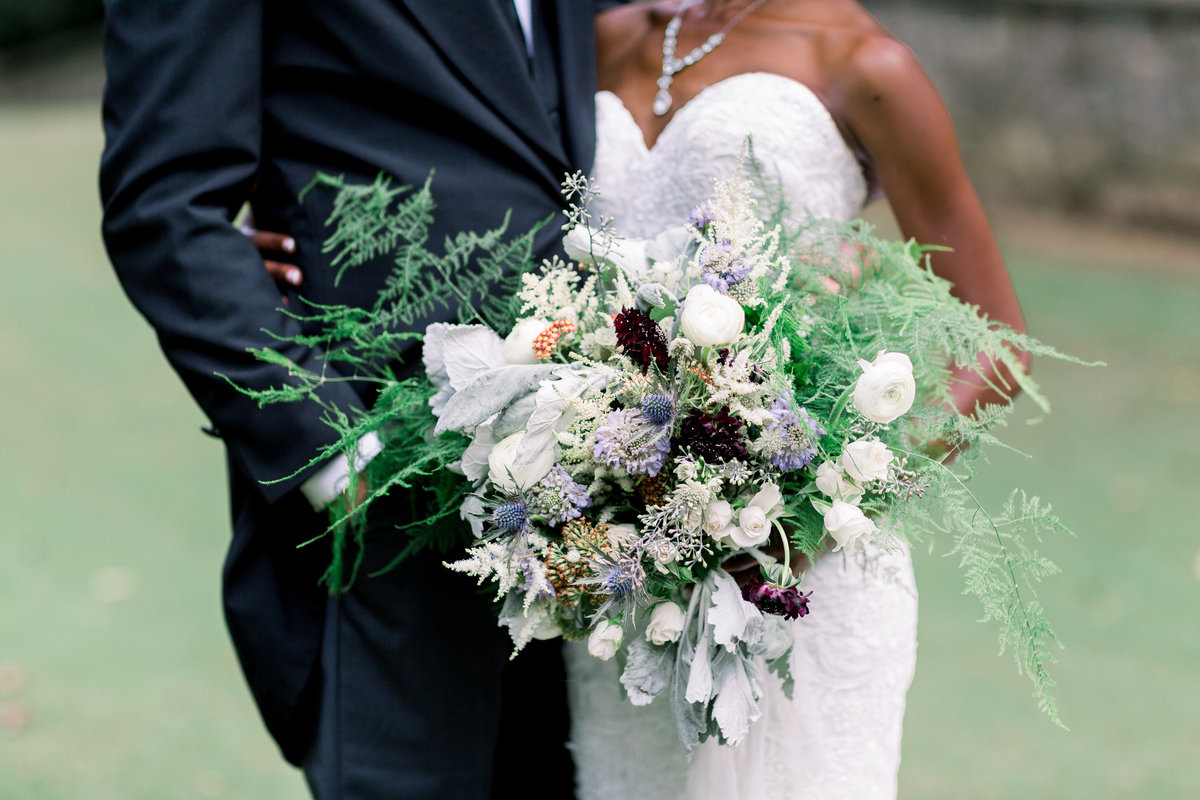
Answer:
(401, 687)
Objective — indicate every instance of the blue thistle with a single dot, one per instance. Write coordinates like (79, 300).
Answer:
(658, 409)
(511, 517)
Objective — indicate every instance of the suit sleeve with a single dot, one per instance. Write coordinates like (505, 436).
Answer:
(182, 122)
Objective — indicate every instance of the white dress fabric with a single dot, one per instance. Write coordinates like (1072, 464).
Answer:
(839, 738)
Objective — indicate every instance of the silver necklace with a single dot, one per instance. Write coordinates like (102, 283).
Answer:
(672, 65)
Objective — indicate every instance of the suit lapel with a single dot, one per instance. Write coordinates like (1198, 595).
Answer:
(575, 42)
(476, 42)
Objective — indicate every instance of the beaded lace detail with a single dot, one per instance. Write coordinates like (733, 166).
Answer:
(839, 739)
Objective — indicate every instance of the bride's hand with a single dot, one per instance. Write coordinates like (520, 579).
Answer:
(269, 243)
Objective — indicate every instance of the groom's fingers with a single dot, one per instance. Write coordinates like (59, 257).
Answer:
(268, 241)
(284, 273)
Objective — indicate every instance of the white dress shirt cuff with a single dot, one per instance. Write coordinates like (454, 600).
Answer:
(323, 487)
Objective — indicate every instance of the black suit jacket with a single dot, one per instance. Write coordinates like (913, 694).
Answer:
(209, 101)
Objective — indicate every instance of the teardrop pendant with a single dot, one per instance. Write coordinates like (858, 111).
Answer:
(662, 102)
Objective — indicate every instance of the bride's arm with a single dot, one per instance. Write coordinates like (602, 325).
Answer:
(895, 112)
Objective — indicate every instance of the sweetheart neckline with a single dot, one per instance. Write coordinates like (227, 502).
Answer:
(804, 87)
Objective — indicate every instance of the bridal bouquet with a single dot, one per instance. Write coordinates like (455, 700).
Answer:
(614, 427)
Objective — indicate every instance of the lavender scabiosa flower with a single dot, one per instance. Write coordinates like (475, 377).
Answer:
(784, 601)
(723, 268)
(632, 441)
(702, 216)
(789, 440)
(558, 497)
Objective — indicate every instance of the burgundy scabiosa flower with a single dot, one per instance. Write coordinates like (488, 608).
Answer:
(788, 602)
(641, 338)
(713, 437)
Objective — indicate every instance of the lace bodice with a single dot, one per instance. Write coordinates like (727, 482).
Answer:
(839, 739)
(646, 190)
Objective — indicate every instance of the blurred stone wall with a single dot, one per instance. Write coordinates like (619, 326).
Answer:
(1087, 106)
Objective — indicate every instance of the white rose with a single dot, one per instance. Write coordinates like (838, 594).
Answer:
(605, 640)
(502, 473)
(710, 318)
(717, 517)
(847, 524)
(666, 624)
(518, 345)
(694, 520)
(832, 483)
(622, 536)
(752, 529)
(866, 460)
(754, 521)
(886, 389)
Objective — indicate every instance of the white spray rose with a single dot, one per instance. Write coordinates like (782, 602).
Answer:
(886, 389)
(666, 624)
(502, 473)
(717, 517)
(710, 318)
(622, 536)
(754, 521)
(832, 483)
(847, 524)
(605, 640)
(518, 345)
(866, 460)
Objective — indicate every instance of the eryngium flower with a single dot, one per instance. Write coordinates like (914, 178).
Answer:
(511, 517)
(790, 602)
(713, 437)
(658, 409)
(641, 338)
(630, 440)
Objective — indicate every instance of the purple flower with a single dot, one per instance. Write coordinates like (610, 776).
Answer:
(632, 441)
(788, 602)
(558, 497)
(723, 268)
(796, 435)
(702, 216)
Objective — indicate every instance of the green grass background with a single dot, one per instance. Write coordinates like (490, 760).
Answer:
(113, 528)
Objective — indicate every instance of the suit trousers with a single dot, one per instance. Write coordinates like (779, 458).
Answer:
(418, 698)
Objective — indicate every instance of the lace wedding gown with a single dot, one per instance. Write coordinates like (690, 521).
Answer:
(855, 653)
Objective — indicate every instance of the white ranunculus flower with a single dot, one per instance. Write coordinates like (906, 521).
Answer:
(832, 483)
(710, 318)
(717, 517)
(605, 640)
(501, 469)
(518, 345)
(847, 524)
(886, 389)
(666, 623)
(866, 460)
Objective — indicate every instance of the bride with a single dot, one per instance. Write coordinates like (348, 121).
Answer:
(838, 111)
